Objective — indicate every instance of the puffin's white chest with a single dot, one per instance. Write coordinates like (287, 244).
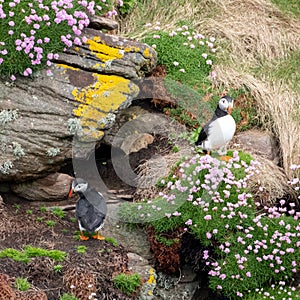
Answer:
(220, 132)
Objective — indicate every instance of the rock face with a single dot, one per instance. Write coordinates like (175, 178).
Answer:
(257, 142)
(53, 187)
(44, 119)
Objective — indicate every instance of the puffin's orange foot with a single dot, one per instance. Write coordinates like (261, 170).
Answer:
(83, 237)
(225, 158)
(98, 236)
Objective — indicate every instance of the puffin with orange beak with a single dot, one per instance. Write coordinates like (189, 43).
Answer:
(219, 131)
(90, 209)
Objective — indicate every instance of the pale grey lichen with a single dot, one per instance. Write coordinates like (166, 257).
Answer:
(107, 121)
(18, 151)
(149, 286)
(108, 64)
(6, 167)
(74, 125)
(51, 152)
(7, 115)
(106, 94)
(3, 146)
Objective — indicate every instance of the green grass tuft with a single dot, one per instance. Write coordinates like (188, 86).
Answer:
(22, 284)
(127, 283)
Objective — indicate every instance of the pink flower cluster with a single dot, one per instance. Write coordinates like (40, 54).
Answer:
(38, 16)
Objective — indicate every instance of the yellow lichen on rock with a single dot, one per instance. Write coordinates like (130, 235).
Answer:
(105, 95)
(102, 51)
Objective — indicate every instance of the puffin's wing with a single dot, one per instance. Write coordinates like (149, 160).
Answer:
(97, 200)
(88, 215)
(204, 133)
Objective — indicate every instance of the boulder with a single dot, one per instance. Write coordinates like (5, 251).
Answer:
(65, 112)
(53, 187)
(257, 142)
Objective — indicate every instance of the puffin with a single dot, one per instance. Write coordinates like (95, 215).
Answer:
(91, 209)
(219, 131)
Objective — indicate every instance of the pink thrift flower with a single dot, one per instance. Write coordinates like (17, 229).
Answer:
(189, 222)
(207, 217)
(208, 235)
(11, 23)
(13, 77)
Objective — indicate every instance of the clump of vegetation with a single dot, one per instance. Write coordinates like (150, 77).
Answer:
(29, 252)
(57, 268)
(50, 223)
(128, 283)
(66, 296)
(22, 284)
(209, 198)
(187, 55)
(57, 211)
(112, 241)
(34, 32)
(81, 249)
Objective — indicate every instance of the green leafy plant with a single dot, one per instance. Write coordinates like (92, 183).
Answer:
(112, 241)
(29, 211)
(56, 255)
(81, 249)
(17, 206)
(22, 284)
(43, 209)
(127, 283)
(66, 296)
(57, 211)
(50, 223)
(57, 268)
(14, 254)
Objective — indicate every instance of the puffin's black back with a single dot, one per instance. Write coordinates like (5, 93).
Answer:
(90, 217)
(91, 209)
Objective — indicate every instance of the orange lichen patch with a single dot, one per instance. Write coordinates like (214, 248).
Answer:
(102, 51)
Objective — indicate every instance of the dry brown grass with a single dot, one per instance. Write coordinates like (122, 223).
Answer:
(276, 104)
(257, 31)
(253, 30)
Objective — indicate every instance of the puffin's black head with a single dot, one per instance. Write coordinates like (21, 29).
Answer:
(79, 185)
(226, 104)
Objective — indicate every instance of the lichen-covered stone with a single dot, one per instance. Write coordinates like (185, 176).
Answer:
(80, 97)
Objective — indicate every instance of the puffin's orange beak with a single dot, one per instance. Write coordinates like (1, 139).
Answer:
(229, 110)
(70, 193)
